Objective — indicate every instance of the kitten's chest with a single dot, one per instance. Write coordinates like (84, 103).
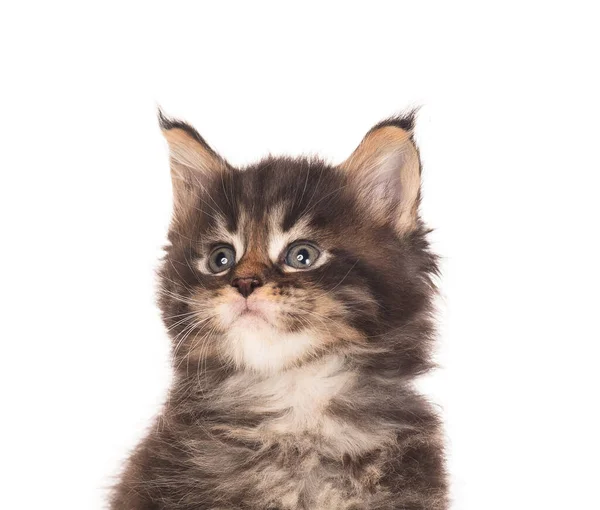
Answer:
(298, 403)
(297, 446)
(295, 411)
(295, 403)
(309, 483)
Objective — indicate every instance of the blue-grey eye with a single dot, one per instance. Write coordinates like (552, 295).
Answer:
(302, 256)
(221, 258)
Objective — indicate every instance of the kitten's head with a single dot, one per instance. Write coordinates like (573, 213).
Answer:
(289, 259)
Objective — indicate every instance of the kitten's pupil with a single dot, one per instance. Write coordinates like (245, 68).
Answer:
(303, 257)
(222, 259)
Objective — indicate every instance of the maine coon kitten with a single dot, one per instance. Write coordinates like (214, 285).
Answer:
(298, 298)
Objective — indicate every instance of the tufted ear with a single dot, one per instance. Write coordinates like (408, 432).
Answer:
(192, 160)
(386, 172)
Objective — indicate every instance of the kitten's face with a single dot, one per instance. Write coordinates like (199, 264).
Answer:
(289, 259)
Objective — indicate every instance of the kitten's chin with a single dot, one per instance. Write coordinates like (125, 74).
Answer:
(256, 338)
(254, 344)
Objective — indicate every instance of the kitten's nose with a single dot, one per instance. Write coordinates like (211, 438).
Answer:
(246, 285)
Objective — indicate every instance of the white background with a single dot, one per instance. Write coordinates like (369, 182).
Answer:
(508, 132)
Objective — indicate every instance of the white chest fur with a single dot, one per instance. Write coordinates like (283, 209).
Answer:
(299, 399)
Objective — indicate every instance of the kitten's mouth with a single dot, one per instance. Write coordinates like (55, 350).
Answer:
(252, 312)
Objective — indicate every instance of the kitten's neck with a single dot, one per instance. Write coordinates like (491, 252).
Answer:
(326, 376)
(324, 404)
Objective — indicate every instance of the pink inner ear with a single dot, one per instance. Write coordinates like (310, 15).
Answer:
(189, 155)
(191, 162)
(385, 177)
(386, 169)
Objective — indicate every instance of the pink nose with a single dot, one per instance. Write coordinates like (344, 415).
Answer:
(246, 285)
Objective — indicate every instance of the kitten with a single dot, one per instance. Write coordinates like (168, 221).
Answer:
(298, 296)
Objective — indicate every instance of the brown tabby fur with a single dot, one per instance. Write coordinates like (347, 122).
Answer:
(315, 408)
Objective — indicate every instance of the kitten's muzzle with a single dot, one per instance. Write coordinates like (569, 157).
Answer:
(246, 285)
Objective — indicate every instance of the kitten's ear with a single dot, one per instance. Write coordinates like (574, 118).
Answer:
(192, 160)
(386, 170)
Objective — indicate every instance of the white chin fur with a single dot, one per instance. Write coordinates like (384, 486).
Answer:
(255, 344)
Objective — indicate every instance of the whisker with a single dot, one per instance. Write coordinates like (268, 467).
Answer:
(340, 282)
(181, 280)
(181, 321)
(178, 315)
(187, 331)
(176, 296)
(190, 330)
(182, 335)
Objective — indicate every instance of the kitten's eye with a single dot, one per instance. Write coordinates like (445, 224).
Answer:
(302, 256)
(221, 258)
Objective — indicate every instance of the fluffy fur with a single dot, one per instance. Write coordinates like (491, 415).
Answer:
(299, 395)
